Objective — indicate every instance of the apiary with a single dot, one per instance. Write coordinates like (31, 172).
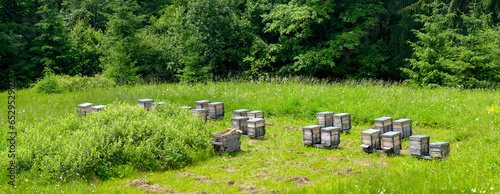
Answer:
(255, 114)
(146, 103)
(419, 145)
(202, 113)
(330, 137)
(311, 134)
(84, 108)
(439, 150)
(325, 119)
(391, 142)
(403, 126)
(370, 140)
(227, 141)
(216, 110)
(240, 123)
(384, 124)
(240, 113)
(98, 108)
(256, 128)
(201, 104)
(343, 121)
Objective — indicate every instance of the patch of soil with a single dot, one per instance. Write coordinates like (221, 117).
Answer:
(142, 184)
(204, 179)
(291, 128)
(250, 188)
(329, 159)
(295, 151)
(269, 124)
(301, 180)
(185, 174)
(349, 171)
(227, 167)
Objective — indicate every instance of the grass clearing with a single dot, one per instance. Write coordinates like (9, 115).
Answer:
(466, 118)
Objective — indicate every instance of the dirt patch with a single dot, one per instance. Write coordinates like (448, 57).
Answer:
(363, 163)
(291, 128)
(185, 174)
(203, 179)
(269, 124)
(349, 171)
(295, 151)
(329, 159)
(298, 179)
(142, 184)
(227, 167)
(250, 189)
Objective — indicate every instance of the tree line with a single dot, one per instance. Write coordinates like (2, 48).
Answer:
(443, 42)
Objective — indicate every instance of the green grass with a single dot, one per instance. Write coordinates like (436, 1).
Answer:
(469, 119)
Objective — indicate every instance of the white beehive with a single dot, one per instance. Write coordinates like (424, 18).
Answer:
(146, 103)
(391, 142)
(384, 124)
(84, 108)
(370, 140)
(343, 121)
(201, 104)
(240, 123)
(311, 134)
(202, 113)
(216, 110)
(240, 113)
(419, 145)
(98, 108)
(325, 119)
(330, 137)
(255, 114)
(404, 127)
(439, 149)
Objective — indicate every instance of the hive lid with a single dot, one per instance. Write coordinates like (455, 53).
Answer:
(419, 137)
(145, 100)
(311, 127)
(341, 114)
(370, 131)
(438, 144)
(256, 120)
(199, 110)
(241, 110)
(215, 103)
(255, 111)
(239, 118)
(391, 134)
(202, 101)
(330, 129)
(383, 119)
(99, 106)
(324, 113)
(86, 104)
(402, 120)
(183, 107)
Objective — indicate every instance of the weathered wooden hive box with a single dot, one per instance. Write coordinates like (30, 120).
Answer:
(202, 113)
(311, 134)
(255, 114)
(201, 104)
(146, 103)
(240, 113)
(439, 149)
(227, 141)
(404, 127)
(343, 121)
(330, 137)
(186, 108)
(391, 142)
(384, 124)
(84, 108)
(256, 128)
(216, 110)
(419, 145)
(98, 108)
(325, 119)
(370, 140)
(240, 123)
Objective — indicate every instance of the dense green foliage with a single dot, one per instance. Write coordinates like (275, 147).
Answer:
(172, 40)
(57, 83)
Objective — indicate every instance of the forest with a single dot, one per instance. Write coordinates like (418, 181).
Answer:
(453, 43)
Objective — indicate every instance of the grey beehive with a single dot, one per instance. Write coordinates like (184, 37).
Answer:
(343, 121)
(256, 128)
(255, 114)
(311, 134)
(227, 141)
(240, 123)
(419, 145)
(370, 140)
(84, 108)
(146, 103)
(240, 113)
(404, 127)
(98, 108)
(384, 124)
(330, 137)
(439, 149)
(391, 142)
(202, 113)
(325, 119)
(216, 110)
(201, 104)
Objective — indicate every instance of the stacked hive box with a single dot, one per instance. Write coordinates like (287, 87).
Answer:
(240, 113)
(98, 108)
(439, 150)
(201, 104)
(370, 140)
(404, 127)
(202, 113)
(343, 121)
(256, 128)
(240, 123)
(84, 108)
(216, 110)
(255, 114)
(419, 145)
(311, 135)
(325, 119)
(391, 142)
(146, 103)
(227, 141)
(330, 137)
(384, 124)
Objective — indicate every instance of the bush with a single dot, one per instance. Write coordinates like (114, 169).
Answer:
(102, 144)
(59, 83)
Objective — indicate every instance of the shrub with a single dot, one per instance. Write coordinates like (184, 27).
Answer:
(59, 83)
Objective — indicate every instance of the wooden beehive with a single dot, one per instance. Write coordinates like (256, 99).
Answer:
(255, 114)
(439, 149)
(201, 104)
(419, 145)
(325, 119)
(330, 137)
(186, 108)
(343, 121)
(370, 140)
(227, 141)
(256, 128)
(391, 142)
(84, 108)
(202, 113)
(240, 113)
(311, 134)
(240, 123)
(404, 127)
(216, 110)
(98, 108)
(146, 103)
(384, 124)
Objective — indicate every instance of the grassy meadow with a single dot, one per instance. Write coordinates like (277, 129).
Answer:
(468, 119)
